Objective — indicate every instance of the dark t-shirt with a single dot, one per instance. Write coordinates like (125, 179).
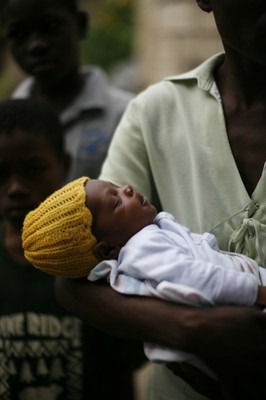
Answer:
(40, 344)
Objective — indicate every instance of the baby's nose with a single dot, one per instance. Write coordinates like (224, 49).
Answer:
(128, 190)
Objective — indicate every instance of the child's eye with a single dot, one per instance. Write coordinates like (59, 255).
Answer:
(50, 26)
(16, 34)
(118, 201)
(33, 171)
(3, 174)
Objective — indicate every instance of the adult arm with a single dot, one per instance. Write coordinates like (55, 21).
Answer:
(230, 340)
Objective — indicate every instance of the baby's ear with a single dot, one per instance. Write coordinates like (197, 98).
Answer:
(106, 251)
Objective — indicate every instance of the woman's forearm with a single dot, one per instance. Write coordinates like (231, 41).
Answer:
(228, 339)
(130, 317)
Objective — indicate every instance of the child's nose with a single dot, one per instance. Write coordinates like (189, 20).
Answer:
(128, 190)
(16, 187)
(37, 45)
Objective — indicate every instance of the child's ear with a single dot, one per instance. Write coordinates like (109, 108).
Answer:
(83, 23)
(106, 251)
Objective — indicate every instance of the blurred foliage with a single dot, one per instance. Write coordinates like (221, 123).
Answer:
(110, 38)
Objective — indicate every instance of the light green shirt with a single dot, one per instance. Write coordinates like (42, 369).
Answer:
(173, 138)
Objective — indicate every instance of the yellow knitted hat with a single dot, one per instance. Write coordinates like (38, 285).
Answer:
(57, 236)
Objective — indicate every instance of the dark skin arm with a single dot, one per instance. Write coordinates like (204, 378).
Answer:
(230, 340)
(261, 296)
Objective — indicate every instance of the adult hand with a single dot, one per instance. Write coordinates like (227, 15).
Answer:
(198, 380)
(232, 343)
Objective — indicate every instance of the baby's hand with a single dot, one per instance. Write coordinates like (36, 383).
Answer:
(261, 296)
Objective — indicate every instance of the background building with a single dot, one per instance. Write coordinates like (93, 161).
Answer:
(172, 36)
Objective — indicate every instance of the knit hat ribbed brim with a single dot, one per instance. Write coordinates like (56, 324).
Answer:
(57, 236)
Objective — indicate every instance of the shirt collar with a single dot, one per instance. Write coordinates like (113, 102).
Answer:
(94, 95)
(203, 74)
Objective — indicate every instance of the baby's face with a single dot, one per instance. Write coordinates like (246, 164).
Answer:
(118, 212)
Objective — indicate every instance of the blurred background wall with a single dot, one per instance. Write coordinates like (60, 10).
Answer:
(172, 36)
(138, 42)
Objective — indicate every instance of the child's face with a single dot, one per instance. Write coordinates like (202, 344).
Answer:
(43, 37)
(118, 212)
(29, 172)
